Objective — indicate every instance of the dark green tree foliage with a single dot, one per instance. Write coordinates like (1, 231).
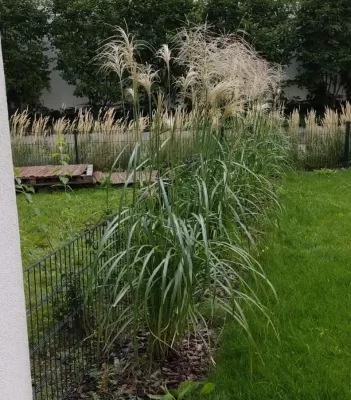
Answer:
(264, 23)
(323, 48)
(80, 27)
(23, 27)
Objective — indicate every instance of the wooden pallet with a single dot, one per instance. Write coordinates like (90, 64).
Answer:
(49, 175)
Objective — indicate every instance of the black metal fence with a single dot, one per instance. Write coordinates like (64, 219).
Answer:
(60, 323)
(321, 146)
(313, 145)
(99, 149)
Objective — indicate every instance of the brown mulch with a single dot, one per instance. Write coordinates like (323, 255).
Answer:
(121, 377)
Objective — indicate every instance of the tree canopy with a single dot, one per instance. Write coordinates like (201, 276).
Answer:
(264, 23)
(323, 48)
(23, 28)
(317, 34)
(79, 29)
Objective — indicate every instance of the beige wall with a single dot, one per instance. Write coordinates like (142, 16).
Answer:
(15, 381)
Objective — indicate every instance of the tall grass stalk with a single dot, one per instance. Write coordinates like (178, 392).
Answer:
(319, 143)
(188, 236)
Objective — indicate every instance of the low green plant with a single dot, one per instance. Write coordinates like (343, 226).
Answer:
(20, 187)
(105, 377)
(27, 191)
(62, 152)
(326, 171)
(186, 391)
(71, 303)
(63, 156)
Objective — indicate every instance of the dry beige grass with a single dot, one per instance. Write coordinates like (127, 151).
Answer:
(294, 122)
(320, 143)
(223, 71)
(19, 123)
(311, 124)
(346, 112)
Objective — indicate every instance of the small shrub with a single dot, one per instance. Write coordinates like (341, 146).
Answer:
(186, 391)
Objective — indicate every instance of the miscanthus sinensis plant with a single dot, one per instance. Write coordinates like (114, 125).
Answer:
(189, 235)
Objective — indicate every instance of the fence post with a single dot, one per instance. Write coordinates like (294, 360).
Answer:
(347, 143)
(76, 151)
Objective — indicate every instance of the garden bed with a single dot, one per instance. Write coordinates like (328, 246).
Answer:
(122, 377)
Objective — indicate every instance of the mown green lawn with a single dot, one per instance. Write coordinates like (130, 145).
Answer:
(308, 260)
(54, 218)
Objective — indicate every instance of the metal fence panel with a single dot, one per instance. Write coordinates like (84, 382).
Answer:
(60, 325)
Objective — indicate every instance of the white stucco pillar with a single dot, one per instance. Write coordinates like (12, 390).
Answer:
(15, 381)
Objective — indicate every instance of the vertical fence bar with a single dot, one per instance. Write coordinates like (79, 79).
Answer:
(76, 150)
(347, 143)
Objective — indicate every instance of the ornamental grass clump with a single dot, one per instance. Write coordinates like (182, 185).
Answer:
(319, 144)
(188, 236)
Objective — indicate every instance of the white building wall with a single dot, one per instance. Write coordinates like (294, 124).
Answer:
(292, 91)
(61, 94)
(15, 379)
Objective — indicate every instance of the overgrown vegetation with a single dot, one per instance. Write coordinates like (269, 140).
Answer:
(188, 237)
